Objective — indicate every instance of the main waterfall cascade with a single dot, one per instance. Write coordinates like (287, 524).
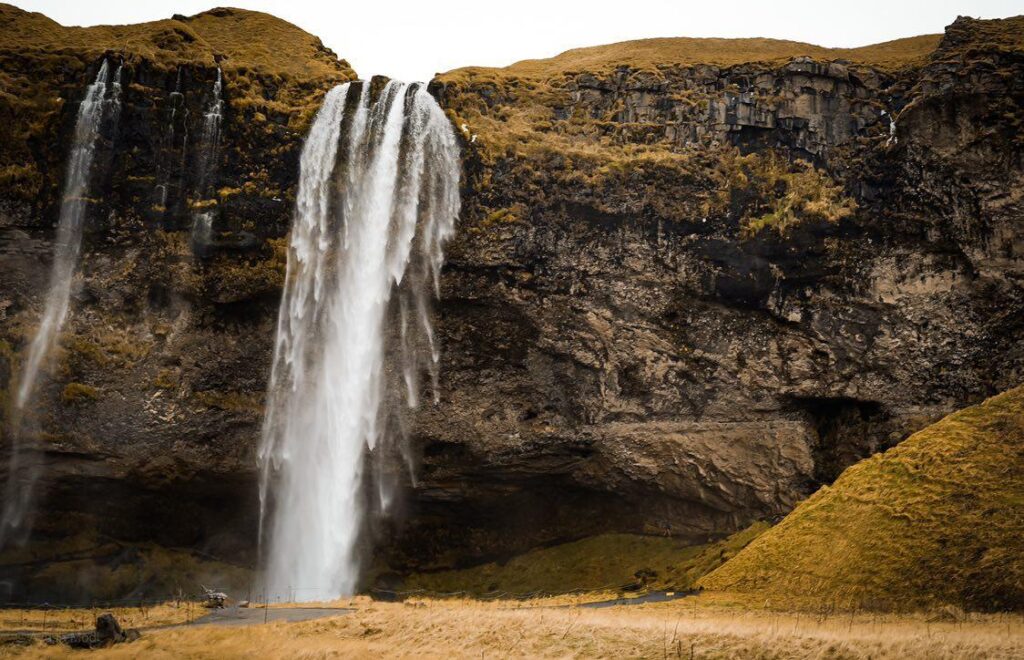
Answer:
(377, 200)
(95, 107)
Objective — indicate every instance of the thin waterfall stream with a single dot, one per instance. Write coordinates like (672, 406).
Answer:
(96, 106)
(209, 153)
(377, 199)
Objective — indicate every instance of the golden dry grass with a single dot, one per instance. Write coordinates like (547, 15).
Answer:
(767, 191)
(691, 628)
(238, 38)
(660, 53)
(652, 54)
(935, 520)
(72, 619)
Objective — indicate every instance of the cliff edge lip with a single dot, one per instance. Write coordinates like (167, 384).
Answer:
(235, 39)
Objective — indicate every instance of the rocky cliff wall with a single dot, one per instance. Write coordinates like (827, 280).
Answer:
(658, 320)
(679, 297)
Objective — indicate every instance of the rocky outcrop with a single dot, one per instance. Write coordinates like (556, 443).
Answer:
(806, 106)
(655, 317)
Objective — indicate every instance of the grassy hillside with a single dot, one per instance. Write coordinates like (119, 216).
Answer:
(237, 38)
(606, 562)
(655, 54)
(937, 520)
(681, 51)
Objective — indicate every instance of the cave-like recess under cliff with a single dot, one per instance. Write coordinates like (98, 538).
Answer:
(681, 294)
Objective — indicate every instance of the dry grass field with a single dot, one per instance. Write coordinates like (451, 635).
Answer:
(699, 627)
(66, 620)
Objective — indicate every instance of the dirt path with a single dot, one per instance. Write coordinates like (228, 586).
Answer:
(248, 616)
(652, 597)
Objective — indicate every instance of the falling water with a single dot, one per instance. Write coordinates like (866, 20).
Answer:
(176, 98)
(69, 227)
(210, 140)
(91, 113)
(209, 151)
(377, 200)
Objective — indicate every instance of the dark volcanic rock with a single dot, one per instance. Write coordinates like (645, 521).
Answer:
(108, 632)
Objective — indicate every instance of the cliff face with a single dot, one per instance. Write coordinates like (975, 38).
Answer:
(688, 284)
(658, 320)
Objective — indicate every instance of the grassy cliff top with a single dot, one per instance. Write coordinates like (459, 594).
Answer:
(973, 35)
(934, 521)
(275, 75)
(654, 54)
(236, 38)
(683, 51)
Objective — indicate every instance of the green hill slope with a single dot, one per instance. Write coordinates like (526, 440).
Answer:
(937, 520)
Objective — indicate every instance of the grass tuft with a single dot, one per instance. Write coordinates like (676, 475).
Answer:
(78, 393)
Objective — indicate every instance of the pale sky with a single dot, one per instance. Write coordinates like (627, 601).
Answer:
(413, 40)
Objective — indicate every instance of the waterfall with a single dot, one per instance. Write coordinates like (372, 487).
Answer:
(69, 226)
(209, 151)
(377, 200)
(96, 106)
(210, 140)
(175, 99)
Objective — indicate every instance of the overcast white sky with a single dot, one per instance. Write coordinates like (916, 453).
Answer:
(412, 40)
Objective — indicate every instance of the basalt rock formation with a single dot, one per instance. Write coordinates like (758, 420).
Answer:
(692, 281)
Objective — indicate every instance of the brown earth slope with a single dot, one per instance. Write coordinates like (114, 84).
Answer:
(934, 521)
